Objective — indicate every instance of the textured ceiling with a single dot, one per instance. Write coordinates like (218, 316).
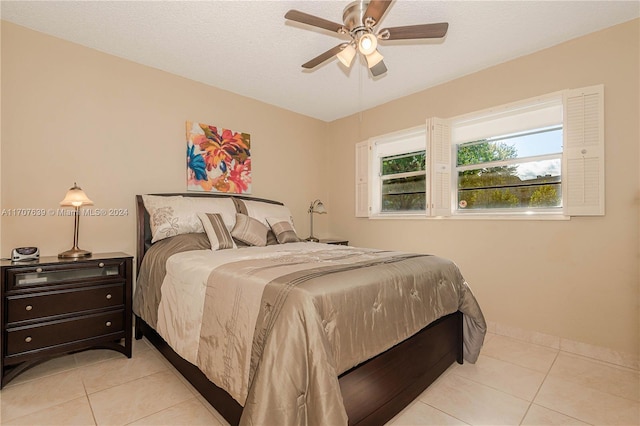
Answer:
(247, 47)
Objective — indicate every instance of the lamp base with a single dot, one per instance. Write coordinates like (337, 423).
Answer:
(74, 253)
(312, 239)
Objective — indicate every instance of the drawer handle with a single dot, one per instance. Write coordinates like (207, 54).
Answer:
(28, 339)
(101, 265)
(38, 269)
(28, 307)
(109, 296)
(108, 324)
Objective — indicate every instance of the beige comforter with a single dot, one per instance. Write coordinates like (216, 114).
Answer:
(275, 326)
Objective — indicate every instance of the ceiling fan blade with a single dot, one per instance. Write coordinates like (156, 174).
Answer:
(324, 56)
(375, 10)
(305, 18)
(416, 31)
(378, 69)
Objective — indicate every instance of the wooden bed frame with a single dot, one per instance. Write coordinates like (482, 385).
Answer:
(373, 392)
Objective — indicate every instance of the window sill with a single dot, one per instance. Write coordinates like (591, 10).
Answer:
(473, 216)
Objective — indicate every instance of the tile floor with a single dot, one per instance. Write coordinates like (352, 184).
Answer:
(512, 383)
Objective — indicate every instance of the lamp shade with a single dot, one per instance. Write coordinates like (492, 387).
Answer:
(76, 197)
(347, 54)
(367, 44)
(318, 207)
(374, 58)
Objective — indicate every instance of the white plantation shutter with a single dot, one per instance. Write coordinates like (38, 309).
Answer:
(583, 154)
(362, 179)
(440, 165)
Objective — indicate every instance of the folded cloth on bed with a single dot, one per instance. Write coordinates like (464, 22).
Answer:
(276, 326)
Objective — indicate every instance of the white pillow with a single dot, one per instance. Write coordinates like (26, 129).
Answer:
(175, 215)
(222, 205)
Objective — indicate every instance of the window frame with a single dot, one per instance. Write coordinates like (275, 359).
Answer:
(582, 160)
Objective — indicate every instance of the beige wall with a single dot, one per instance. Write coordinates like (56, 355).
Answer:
(117, 128)
(574, 279)
(70, 113)
(1, 251)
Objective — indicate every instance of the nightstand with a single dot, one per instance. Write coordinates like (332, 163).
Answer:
(53, 306)
(335, 241)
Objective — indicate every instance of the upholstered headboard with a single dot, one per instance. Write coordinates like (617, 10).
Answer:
(143, 227)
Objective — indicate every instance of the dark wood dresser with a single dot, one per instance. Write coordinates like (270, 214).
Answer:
(335, 241)
(53, 306)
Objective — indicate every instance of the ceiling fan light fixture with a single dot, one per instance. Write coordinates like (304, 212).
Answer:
(347, 54)
(360, 20)
(367, 44)
(374, 58)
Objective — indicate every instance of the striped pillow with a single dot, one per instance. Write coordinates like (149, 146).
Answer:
(283, 230)
(261, 210)
(218, 234)
(250, 231)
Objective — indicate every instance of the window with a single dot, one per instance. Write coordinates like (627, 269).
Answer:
(510, 159)
(520, 171)
(534, 157)
(404, 182)
(399, 172)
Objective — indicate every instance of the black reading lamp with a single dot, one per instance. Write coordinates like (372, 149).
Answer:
(315, 207)
(75, 198)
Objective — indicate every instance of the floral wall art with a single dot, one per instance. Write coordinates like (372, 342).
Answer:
(218, 160)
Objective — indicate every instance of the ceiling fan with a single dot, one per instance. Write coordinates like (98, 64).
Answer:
(361, 19)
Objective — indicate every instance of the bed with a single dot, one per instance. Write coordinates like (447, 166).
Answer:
(290, 332)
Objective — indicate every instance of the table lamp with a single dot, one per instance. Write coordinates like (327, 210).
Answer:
(315, 207)
(75, 198)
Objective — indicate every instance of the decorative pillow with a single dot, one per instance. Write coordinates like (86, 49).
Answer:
(219, 235)
(175, 215)
(168, 217)
(261, 211)
(250, 231)
(283, 230)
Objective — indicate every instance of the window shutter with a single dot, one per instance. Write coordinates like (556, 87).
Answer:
(583, 153)
(362, 179)
(440, 162)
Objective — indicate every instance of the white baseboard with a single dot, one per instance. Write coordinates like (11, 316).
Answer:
(599, 353)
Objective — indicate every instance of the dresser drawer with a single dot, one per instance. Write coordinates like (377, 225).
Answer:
(50, 303)
(80, 273)
(52, 333)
